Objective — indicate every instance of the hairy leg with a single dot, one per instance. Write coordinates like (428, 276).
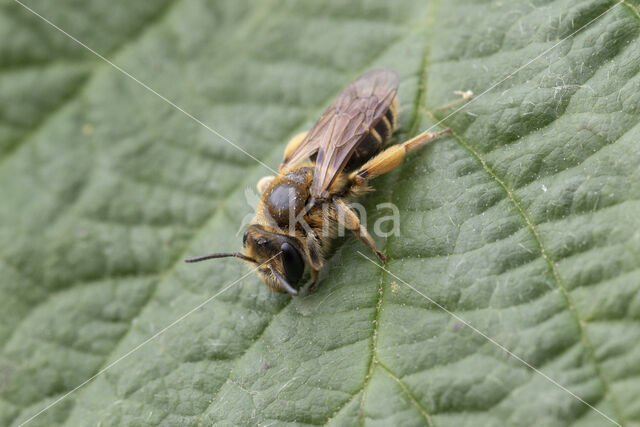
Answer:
(390, 158)
(352, 223)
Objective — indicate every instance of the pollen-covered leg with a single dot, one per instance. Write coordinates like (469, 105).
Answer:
(351, 222)
(294, 143)
(390, 158)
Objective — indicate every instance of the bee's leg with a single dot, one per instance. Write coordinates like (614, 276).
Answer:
(390, 158)
(294, 143)
(314, 249)
(351, 222)
(263, 183)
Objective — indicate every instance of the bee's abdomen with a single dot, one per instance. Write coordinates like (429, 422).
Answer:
(377, 138)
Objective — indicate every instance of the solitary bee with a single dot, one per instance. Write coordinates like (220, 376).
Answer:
(324, 169)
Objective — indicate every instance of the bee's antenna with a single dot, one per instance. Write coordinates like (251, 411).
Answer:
(283, 281)
(221, 255)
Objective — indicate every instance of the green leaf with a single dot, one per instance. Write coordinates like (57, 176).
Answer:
(524, 223)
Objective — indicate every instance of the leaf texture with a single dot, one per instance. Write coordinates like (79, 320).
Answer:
(524, 223)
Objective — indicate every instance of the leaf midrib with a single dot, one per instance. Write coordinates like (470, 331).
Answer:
(413, 129)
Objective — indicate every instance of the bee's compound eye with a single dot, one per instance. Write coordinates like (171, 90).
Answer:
(293, 263)
(244, 238)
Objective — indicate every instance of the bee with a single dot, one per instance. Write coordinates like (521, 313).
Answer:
(301, 209)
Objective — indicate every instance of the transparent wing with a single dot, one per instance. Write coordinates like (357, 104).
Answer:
(344, 125)
(347, 122)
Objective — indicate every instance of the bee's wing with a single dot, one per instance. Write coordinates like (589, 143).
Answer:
(344, 125)
(307, 148)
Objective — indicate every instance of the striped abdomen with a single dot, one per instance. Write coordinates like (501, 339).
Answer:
(377, 138)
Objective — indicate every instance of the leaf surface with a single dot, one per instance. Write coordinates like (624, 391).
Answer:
(524, 223)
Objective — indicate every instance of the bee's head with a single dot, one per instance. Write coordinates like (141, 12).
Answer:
(277, 256)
